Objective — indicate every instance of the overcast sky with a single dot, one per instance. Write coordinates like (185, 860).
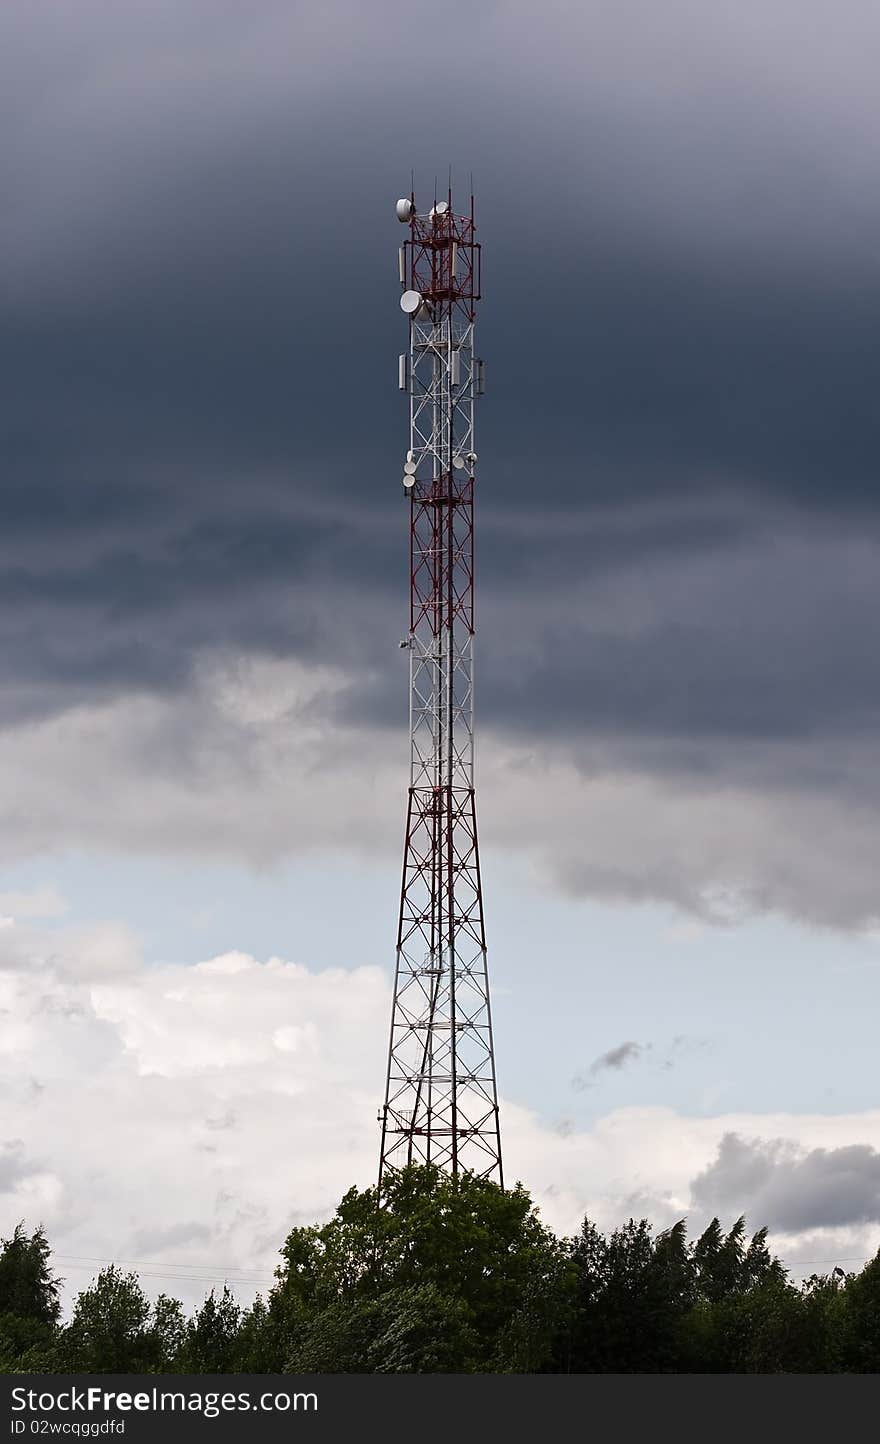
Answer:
(203, 582)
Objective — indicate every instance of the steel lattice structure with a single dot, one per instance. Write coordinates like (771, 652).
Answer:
(441, 1101)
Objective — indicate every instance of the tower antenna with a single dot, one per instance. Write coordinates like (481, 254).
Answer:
(441, 1099)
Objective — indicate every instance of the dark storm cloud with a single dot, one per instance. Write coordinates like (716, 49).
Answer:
(202, 436)
(789, 1190)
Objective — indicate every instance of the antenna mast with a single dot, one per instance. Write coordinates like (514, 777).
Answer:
(441, 1100)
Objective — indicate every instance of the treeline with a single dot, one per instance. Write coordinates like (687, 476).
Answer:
(459, 1278)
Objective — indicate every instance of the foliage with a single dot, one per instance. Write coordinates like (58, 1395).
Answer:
(114, 1329)
(258, 1347)
(28, 1288)
(861, 1320)
(472, 1258)
(29, 1303)
(415, 1329)
(459, 1277)
(211, 1336)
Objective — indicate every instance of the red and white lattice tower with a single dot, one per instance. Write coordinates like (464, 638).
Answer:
(441, 1101)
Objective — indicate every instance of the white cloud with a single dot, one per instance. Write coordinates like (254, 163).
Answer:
(257, 761)
(44, 902)
(157, 1104)
(187, 1117)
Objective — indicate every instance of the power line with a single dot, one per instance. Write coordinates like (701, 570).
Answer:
(185, 1278)
(196, 1273)
(838, 1258)
(154, 1263)
(246, 1274)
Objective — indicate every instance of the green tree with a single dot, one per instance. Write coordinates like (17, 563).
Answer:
(423, 1331)
(823, 1323)
(410, 1330)
(260, 1347)
(860, 1321)
(29, 1304)
(632, 1292)
(746, 1317)
(759, 1330)
(209, 1345)
(484, 1252)
(457, 1276)
(164, 1335)
(26, 1346)
(28, 1288)
(759, 1266)
(720, 1261)
(110, 1328)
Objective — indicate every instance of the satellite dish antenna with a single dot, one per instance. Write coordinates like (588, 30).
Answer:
(409, 468)
(405, 210)
(440, 208)
(458, 461)
(409, 480)
(410, 302)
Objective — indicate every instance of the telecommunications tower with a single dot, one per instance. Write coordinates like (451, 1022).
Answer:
(441, 1101)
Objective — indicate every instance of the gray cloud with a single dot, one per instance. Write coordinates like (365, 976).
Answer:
(15, 1166)
(788, 1189)
(629, 1052)
(613, 1061)
(618, 1057)
(679, 528)
(156, 1240)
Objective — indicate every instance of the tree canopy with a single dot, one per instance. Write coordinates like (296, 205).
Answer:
(458, 1276)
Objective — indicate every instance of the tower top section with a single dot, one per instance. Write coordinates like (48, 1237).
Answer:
(440, 260)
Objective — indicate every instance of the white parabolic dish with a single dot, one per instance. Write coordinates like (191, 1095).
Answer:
(410, 302)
